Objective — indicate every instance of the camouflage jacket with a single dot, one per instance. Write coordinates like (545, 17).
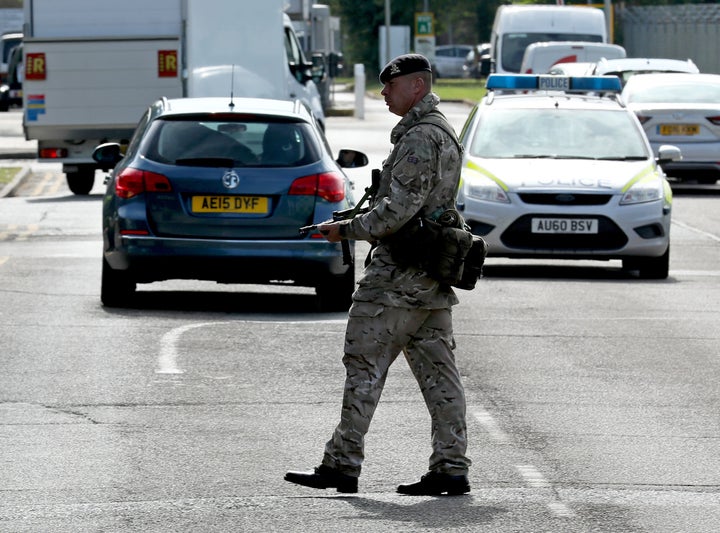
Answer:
(421, 175)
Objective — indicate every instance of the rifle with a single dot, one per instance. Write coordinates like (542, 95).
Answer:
(347, 214)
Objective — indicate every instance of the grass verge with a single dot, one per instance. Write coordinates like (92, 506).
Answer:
(7, 174)
(448, 89)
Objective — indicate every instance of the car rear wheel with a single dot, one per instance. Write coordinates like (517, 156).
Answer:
(650, 267)
(81, 181)
(116, 286)
(335, 292)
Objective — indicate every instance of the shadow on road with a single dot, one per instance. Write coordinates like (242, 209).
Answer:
(555, 272)
(231, 301)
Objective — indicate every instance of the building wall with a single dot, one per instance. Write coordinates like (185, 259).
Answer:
(675, 32)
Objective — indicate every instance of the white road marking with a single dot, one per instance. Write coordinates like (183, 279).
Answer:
(533, 477)
(536, 480)
(490, 425)
(168, 356)
(167, 359)
(697, 230)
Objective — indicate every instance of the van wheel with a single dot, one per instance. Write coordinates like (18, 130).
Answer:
(81, 182)
(116, 286)
(335, 292)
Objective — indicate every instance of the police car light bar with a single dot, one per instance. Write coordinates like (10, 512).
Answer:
(527, 82)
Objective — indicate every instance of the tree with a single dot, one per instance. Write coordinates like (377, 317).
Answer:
(360, 21)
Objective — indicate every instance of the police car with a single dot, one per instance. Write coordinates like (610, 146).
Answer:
(558, 167)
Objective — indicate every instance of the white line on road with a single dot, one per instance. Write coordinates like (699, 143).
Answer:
(531, 475)
(168, 356)
(697, 230)
(536, 480)
(167, 360)
(490, 425)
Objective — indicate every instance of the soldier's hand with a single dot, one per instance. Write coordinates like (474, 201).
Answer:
(331, 231)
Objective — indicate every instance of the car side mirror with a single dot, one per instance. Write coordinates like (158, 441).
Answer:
(318, 69)
(486, 65)
(667, 153)
(351, 159)
(108, 154)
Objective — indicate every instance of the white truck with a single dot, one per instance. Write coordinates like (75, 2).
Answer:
(517, 26)
(93, 66)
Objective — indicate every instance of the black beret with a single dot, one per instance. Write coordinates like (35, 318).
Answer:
(404, 64)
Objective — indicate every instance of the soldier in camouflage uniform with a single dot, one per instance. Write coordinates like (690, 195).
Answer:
(401, 308)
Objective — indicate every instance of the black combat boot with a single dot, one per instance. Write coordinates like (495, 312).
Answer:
(324, 477)
(436, 483)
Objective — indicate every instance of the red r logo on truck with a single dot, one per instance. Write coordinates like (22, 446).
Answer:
(167, 63)
(35, 66)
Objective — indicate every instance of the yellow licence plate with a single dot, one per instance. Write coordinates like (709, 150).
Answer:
(679, 129)
(230, 204)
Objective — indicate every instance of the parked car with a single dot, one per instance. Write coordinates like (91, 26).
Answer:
(684, 110)
(629, 66)
(11, 91)
(449, 60)
(557, 167)
(217, 189)
(477, 61)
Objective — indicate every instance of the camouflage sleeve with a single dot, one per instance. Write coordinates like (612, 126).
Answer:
(411, 180)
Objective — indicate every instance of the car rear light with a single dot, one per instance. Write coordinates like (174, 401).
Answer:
(715, 120)
(329, 185)
(131, 182)
(643, 118)
(53, 153)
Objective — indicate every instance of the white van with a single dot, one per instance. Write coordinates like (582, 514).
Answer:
(539, 58)
(517, 26)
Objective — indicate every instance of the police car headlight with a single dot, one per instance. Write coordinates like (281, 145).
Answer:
(645, 190)
(479, 187)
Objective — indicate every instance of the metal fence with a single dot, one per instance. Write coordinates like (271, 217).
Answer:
(676, 32)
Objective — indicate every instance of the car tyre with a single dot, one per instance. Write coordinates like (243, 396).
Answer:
(116, 286)
(335, 292)
(650, 267)
(81, 182)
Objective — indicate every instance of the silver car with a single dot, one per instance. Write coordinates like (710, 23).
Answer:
(564, 173)
(450, 59)
(683, 110)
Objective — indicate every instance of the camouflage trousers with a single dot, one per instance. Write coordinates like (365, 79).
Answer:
(374, 338)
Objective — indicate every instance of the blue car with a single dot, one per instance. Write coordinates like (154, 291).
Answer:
(217, 189)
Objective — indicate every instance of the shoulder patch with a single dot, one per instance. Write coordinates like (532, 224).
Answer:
(413, 159)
